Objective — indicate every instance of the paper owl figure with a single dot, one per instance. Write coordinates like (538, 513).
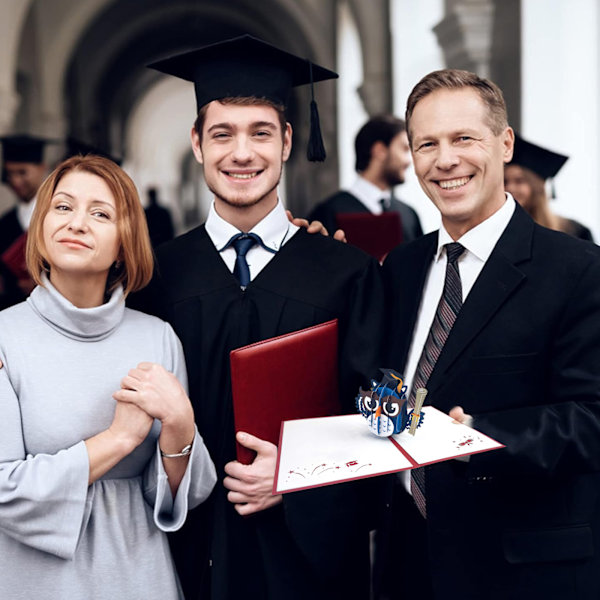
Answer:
(384, 406)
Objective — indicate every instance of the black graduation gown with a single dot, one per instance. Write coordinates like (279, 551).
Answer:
(345, 202)
(10, 231)
(315, 544)
(160, 224)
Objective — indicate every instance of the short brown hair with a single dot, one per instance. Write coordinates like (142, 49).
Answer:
(243, 101)
(381, 128)
(135, 253)
(456, 79)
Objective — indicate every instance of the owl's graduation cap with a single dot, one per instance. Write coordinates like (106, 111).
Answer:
(23, 148)
(544, 163)
(248, 67)
(391, 379)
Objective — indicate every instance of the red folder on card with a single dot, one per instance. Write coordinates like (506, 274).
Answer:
(375, 234)
(292, 376)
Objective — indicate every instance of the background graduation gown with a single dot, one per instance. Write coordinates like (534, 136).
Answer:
(523, 358)
(10, 231)
(314, 544)
(345, 202)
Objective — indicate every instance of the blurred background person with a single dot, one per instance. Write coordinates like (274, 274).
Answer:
(525, 178)
(23, 170)
(382, 158)
(89, 486)
(160, 222)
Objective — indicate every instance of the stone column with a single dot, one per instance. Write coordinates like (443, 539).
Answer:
(484, 36)
(12, 17)
(465, 35)
(373, 23)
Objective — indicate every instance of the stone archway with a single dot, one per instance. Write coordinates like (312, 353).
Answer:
(104, 81)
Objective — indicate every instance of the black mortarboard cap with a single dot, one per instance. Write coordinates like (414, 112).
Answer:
(23, 148)
(248, 67)
(544, 163)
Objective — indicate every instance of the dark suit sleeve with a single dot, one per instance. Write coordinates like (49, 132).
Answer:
(561, 434)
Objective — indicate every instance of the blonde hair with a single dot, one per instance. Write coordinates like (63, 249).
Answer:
(539, 205)
(135, 253)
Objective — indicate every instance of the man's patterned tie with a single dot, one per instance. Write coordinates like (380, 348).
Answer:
(445, 315)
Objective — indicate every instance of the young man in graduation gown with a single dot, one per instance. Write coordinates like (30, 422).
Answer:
(23, 170)
(382, 157)
(501, 324)
(245, 542)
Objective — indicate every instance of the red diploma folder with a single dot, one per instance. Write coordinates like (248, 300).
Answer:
(375, 234)
(292, 376)
(14, 257)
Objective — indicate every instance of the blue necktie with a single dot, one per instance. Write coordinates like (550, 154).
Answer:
(242, 242)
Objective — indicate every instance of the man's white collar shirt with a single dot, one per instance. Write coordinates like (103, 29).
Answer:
(479, 243)
(370, 195)
(274, 230)
(25, 212)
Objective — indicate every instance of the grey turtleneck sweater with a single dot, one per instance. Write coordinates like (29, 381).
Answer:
(59, 537)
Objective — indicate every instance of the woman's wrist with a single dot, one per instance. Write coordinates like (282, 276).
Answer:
(185, 451)
(174, 439)
(123, 443)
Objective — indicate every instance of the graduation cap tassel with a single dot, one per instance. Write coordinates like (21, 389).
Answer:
(316, 149)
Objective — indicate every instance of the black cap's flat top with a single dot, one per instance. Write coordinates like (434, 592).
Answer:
(241, 67)
(23, 148)
(543, 162)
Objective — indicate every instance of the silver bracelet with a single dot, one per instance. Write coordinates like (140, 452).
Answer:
(184, 452)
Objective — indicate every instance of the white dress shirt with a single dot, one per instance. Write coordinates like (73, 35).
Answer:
(479, 243)
(274, 231)
(370, 195)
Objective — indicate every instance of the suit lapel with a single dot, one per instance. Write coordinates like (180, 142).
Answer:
(496, 283)
(411, 290)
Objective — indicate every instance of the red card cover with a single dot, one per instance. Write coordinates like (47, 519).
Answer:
(375, 234)
(293, 376)
(14, 257)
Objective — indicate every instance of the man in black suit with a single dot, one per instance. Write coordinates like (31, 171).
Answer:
(520, 362)
(382, 157)
(23, 170)
(247, 275)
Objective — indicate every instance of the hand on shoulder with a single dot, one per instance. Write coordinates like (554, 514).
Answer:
(316, 227)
